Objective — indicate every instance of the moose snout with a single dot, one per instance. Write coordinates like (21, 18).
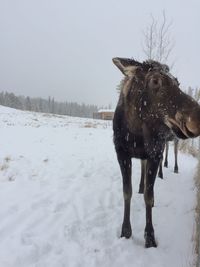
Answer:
(189, 123)
(193, 125)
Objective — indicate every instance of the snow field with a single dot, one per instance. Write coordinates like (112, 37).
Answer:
(62, 203)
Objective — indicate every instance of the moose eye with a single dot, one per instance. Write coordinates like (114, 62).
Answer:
(155, 81)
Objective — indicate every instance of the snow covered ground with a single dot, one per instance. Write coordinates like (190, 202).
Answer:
(62, 203)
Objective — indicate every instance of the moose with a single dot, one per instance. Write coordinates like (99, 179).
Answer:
(151, 106)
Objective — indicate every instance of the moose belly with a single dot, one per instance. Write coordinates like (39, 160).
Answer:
(135, 147)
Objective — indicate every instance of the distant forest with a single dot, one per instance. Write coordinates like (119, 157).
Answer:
(62, 108)
(47, 105)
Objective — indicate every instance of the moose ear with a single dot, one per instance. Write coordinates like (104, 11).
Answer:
(126, 65)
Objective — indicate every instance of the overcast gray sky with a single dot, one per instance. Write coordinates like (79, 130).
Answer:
(63, 48)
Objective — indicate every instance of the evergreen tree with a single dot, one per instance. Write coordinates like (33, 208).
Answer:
(47, 105)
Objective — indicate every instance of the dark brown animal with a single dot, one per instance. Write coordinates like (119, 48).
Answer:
(150, 106)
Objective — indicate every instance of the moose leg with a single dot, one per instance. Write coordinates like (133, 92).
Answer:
(152, 167)
(160, 172)
(143, 170)
(125, 166)
(176, 155)
(166, 154)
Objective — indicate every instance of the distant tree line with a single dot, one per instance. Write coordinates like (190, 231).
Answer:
(195, 93)
(47, 105)
(62, 108)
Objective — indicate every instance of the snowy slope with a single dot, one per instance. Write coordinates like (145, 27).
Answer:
(62, 203)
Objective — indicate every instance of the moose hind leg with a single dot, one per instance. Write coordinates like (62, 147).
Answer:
(176, 155)
(125, 166)
(143, 170)
(160, 172)
(166, 154)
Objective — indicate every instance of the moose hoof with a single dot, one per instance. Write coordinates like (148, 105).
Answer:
(175, 170)
(150, 240)
(160, 175)
(126, 231)
(166, 164)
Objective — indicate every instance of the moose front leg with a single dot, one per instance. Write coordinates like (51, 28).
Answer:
(151, 169)
(125, 166)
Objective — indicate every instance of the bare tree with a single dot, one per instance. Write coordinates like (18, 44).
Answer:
(158, 42)
(150, 39)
